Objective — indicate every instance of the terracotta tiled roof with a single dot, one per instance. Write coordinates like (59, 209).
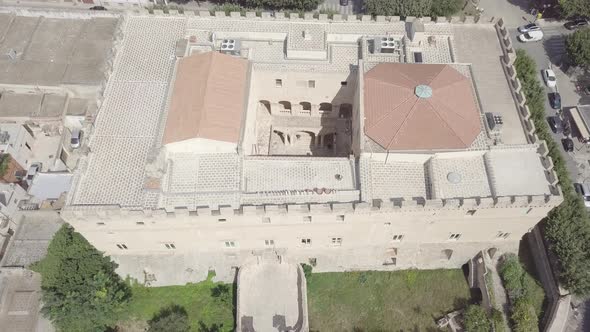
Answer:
(208, 98)
(446, 117)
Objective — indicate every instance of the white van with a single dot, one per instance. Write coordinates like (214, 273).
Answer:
(531, 36)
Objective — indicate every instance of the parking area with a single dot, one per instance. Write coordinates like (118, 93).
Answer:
(550, 53)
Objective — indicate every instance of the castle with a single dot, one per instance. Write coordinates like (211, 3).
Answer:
(346, 144)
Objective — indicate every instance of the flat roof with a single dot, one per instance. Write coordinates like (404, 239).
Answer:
(54, 51)
(32, 105)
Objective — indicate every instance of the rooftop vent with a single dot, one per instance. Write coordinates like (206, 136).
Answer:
(454, 177)
(495, 121)
(230, 46)
(423, 91)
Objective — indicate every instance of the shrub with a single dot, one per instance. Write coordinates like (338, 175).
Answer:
(524, 316)
(418, 8)
(497, 320)
(567, 228)
(81, 291)
(445, 7)
(475, 319)
(517, 284)
(307, 270)
(172, 318)
(512, 275)
(227, 8)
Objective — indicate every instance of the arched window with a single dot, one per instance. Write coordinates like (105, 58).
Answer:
(266, 103)
(305, 105)
(286, 104)
(345, 111)
(325, 107)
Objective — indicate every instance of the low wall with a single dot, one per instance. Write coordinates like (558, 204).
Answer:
(558, 304)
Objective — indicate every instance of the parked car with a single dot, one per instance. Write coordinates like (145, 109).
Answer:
(76, 138)
(97, 8)
(568, 144)
(583, 190)
(531, 36)
(556, 124)
(549, 77)
(555, 100)
(576, 24)
(528, 27)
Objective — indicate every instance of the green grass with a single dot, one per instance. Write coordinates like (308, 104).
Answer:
(205, 311)
(384, 301)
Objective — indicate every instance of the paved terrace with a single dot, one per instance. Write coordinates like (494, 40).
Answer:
(479, 45)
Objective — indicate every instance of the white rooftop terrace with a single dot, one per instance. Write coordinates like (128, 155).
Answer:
(468, 174)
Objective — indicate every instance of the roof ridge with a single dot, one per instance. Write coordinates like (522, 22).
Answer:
(447, 123)
(444, 66)
(389, 112)
(211, 57)
(412, 110)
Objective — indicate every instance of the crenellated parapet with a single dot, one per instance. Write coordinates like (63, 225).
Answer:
(395, 205)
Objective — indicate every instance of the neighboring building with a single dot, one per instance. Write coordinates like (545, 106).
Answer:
(357, 145)
(48, 190)
(10, 197)
(17, 142)
(52, 72)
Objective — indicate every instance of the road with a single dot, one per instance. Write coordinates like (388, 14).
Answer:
(551, 52)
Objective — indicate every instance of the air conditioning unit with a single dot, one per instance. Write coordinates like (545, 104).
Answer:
(495, 121)
(385, 45)
(230, 46)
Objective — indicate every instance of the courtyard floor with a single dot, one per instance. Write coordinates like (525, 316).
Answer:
(408, 300)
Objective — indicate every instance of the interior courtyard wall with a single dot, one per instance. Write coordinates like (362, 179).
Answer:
(295, 87)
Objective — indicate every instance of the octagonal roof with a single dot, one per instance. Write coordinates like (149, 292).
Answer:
(420, 107)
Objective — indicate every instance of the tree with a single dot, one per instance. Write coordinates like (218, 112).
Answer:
(445, 7)
(172, 318)
(578, 47)
(81, 291)
(567, 228)
(475, 319)
(571, 8)
(403, 8)
(4, 162)
(301, 5)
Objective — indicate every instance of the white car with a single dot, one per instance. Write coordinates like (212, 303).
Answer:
(531, 36)
(549, 77)
(528, 27)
